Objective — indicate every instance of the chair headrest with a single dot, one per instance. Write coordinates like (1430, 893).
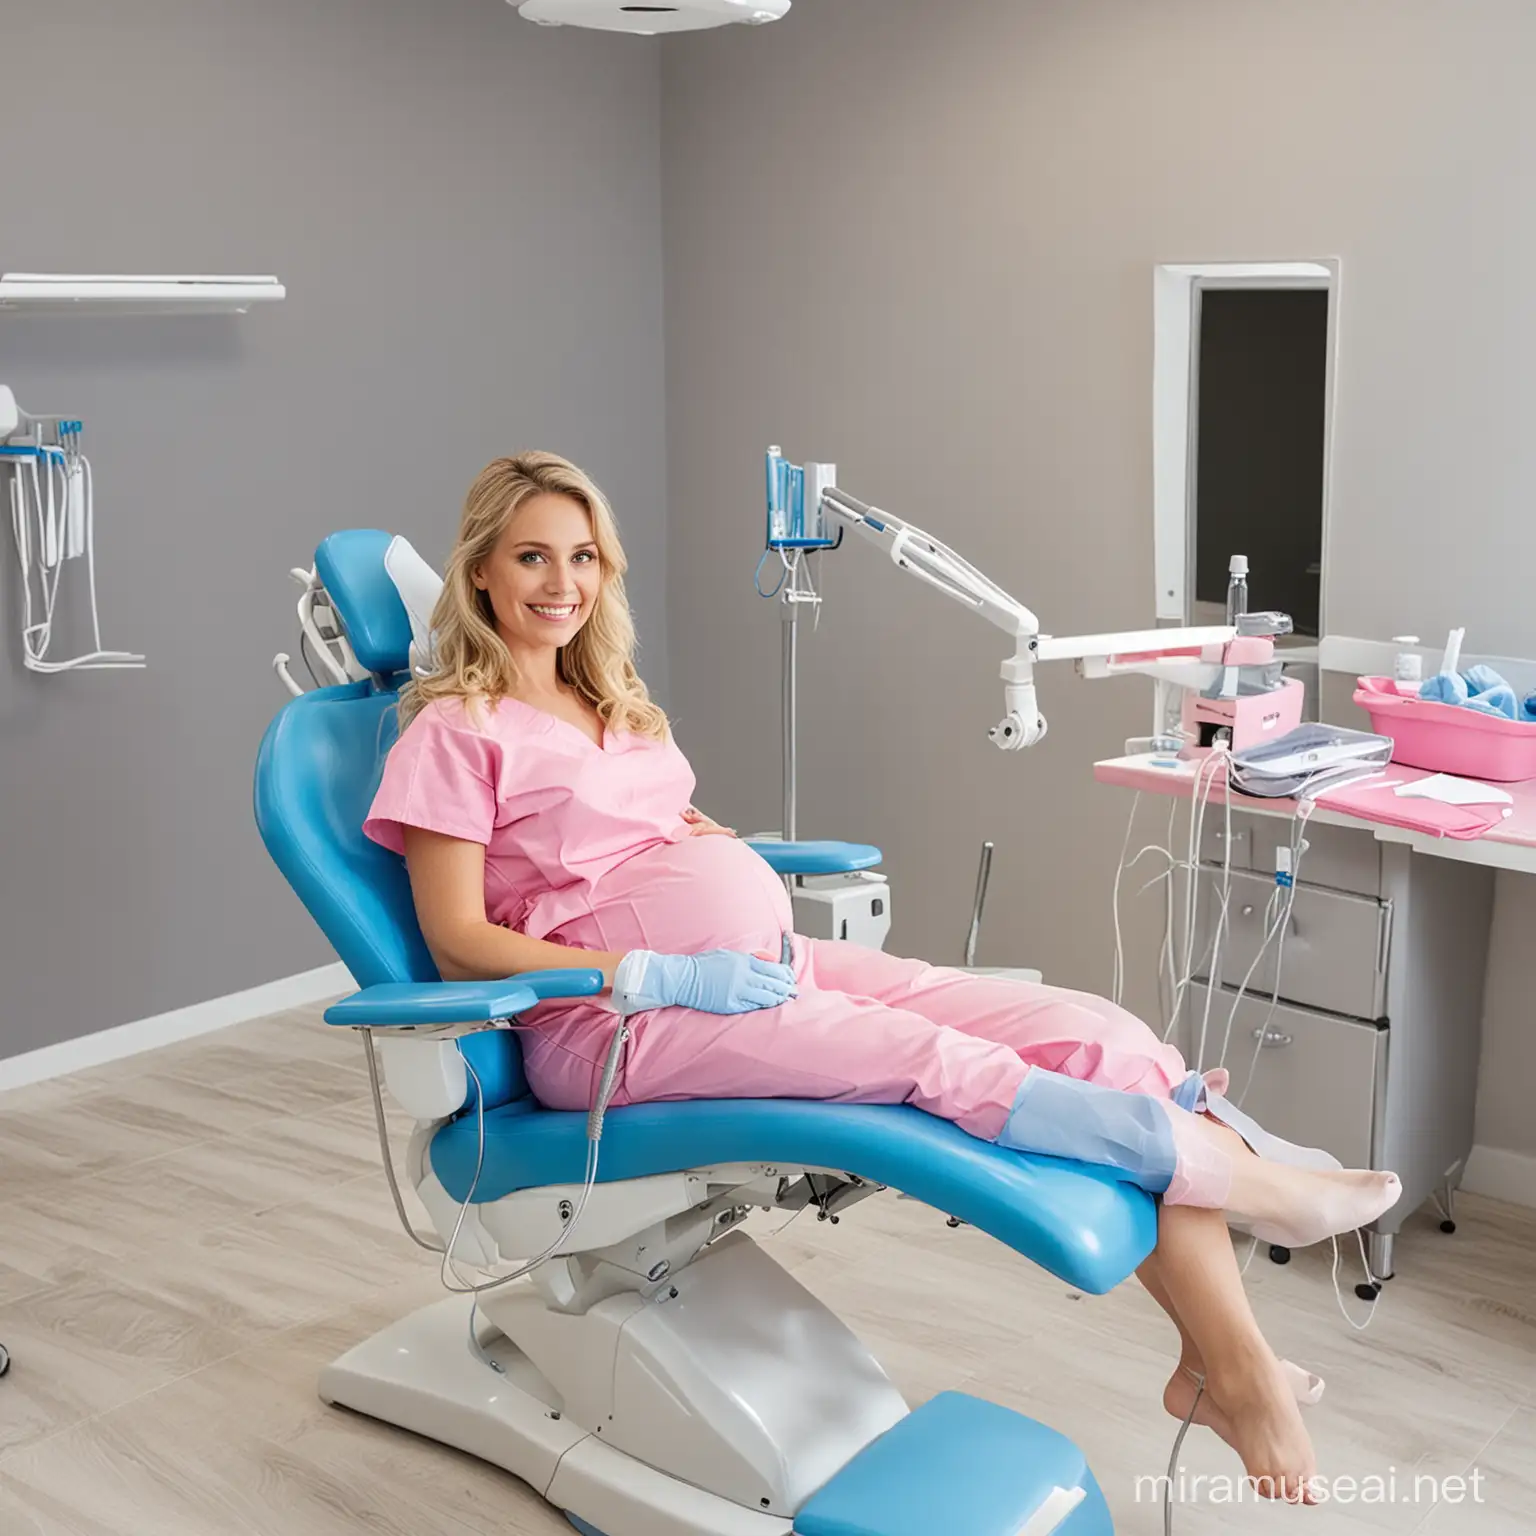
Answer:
(383, 591)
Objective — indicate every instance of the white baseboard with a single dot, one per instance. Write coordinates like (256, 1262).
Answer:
(180, 1024)
(1501, 1175)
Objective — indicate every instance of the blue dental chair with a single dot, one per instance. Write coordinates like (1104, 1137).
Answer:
(659, 1374)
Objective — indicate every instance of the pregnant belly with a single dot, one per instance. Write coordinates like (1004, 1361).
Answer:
(680, 898)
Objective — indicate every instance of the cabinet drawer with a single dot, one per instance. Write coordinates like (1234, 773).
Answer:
(1336, 947)
(1342, 858)
(1316, 1080)
(1213, 839)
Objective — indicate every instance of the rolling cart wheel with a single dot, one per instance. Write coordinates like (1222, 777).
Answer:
(1368, 1290)
(5, 1360)
(1447, 1225)
(1279, 1255)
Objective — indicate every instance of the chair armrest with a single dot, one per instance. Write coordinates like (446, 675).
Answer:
(814, 858)
(396, 1004)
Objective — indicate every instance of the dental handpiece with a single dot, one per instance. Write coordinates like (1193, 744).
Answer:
(605, 1084)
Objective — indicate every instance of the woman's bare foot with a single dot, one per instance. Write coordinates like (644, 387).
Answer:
(1296, 1207)
(1253, 1409)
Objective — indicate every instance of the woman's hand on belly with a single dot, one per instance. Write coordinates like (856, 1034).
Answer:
(700, 825)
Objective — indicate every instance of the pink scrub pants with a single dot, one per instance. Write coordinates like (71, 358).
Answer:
(872, 1028)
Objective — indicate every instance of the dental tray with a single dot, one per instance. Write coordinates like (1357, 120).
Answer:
(1447, 739)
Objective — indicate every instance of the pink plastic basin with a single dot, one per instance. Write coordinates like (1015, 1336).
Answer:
(1446, 739)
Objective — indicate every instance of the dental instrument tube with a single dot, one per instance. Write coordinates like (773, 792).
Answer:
(76, 494)
(791, 623)
(1408, 667)
(983, 879)
(796, 502)
(1237, 588)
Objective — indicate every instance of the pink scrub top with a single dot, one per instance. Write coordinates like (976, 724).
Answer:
(585, 845)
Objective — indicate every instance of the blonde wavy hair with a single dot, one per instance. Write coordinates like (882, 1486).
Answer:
(470, 660)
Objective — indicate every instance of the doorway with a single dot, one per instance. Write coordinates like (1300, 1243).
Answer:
(1242, 396)
(1258, 423)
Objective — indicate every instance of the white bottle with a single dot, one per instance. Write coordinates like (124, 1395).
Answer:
(1408, 669)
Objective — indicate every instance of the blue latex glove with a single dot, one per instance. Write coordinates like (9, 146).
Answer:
(718, 981)
(1528, 708)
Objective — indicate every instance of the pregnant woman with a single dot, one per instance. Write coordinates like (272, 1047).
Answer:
(546, 817)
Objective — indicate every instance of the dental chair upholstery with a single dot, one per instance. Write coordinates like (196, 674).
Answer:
(661, 1287)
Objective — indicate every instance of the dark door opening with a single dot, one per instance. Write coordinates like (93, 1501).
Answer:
(1260, 411)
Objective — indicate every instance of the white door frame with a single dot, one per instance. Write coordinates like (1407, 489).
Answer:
(1175, 382)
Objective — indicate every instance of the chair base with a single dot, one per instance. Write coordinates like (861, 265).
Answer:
(714, 1408)
(420, 1374)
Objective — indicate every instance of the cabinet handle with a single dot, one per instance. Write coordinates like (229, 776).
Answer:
(1383, 937)
(1272, 1038)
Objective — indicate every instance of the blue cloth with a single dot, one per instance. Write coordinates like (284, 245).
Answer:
(1489, 693)
(1479, 688)
(1064, 1117)
(1444, 688)
(718, 981)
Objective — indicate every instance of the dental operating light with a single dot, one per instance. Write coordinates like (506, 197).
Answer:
(651, 19)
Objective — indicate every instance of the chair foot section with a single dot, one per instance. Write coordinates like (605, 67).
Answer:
(965, 1467)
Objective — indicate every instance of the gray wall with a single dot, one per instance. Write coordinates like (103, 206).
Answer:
(918, 239)
(466, 210)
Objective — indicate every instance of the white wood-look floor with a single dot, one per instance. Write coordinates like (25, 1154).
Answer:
(188, 1236)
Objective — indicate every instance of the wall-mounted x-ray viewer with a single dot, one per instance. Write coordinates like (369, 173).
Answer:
(65, 293)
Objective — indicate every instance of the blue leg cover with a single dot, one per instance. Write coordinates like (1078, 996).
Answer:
(1063, 1117)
